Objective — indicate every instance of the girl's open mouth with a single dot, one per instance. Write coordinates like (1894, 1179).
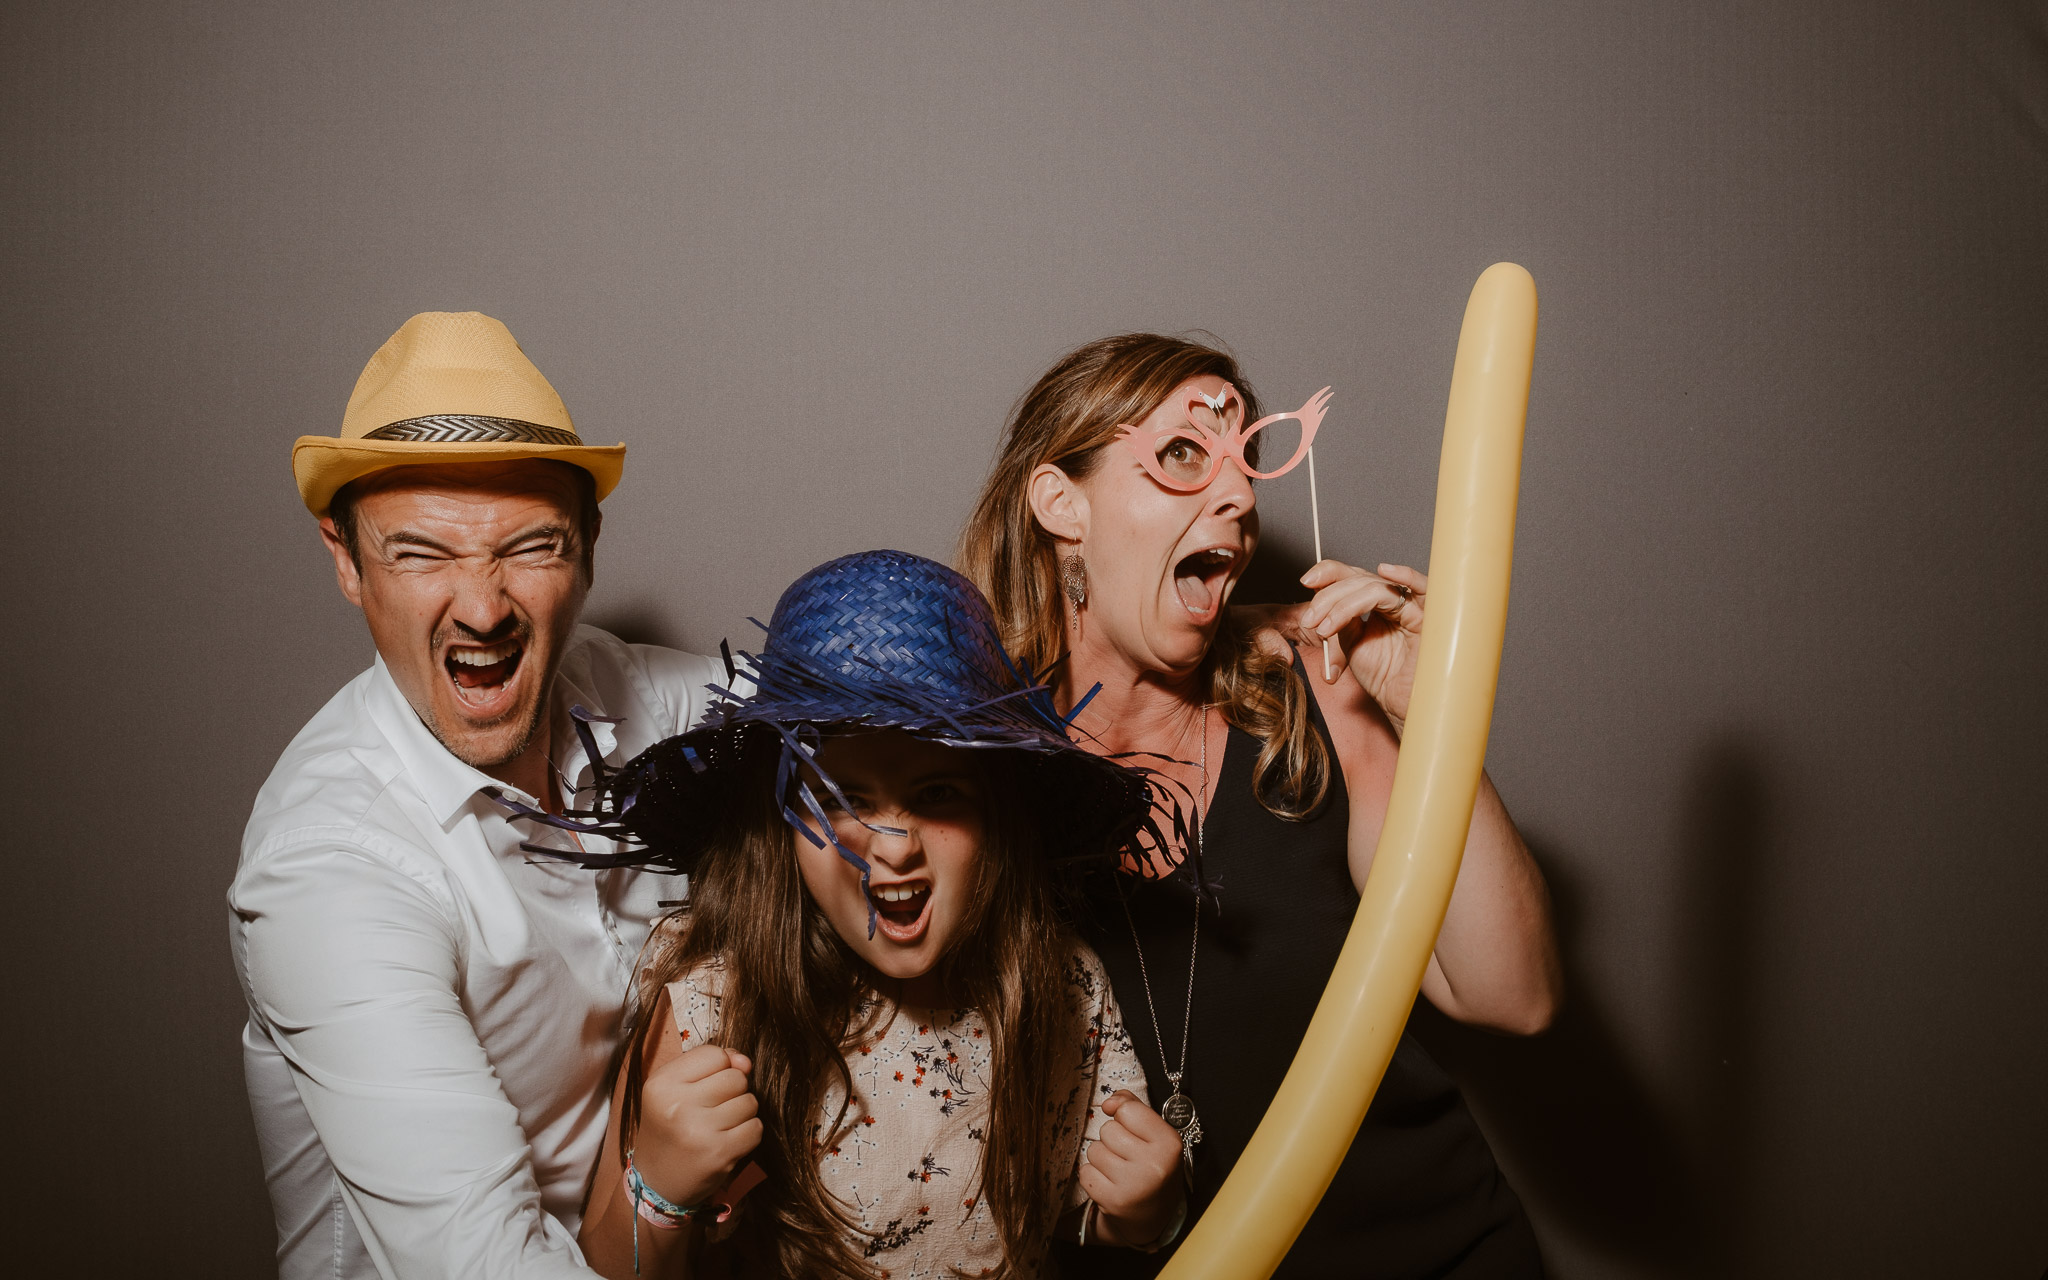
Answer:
(1199, 579)
(902, 910)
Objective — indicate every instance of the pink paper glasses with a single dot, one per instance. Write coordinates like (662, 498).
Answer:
(1186, 456)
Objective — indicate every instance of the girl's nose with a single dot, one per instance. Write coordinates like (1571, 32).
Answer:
(893, 850)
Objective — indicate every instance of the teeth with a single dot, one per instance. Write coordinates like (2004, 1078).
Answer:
(896, 892)
(483, 657)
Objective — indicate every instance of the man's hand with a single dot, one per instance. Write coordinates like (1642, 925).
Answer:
(698, 1120)
(1133, 1173)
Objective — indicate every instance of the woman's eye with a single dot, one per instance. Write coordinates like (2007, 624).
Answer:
(1183, 459)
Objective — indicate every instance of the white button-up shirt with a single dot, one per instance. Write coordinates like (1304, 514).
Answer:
(432, 1010)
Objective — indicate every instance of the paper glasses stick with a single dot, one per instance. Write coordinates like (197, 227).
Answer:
(1290, 1160)
(1315, 515)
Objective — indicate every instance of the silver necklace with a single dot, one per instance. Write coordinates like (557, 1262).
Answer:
(1179, 1110)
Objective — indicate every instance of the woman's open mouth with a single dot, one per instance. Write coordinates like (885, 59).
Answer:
(480, 672)
(1199, 580)
(902, 910)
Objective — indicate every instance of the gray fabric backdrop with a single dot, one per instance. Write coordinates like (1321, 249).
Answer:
(1771, 708)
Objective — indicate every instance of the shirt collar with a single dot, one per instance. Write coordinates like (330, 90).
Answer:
(446, 783)
(572, 765)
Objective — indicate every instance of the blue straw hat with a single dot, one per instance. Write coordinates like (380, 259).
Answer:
(880, 639)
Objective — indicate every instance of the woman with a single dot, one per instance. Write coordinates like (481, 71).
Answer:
(1113, 529)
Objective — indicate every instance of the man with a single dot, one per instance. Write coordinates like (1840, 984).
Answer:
(432, 1010)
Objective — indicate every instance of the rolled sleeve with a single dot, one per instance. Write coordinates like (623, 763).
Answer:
(352, 971)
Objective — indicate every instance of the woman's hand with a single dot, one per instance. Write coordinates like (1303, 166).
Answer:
(698, 1120)
(1375, 620)
(1133, 1173)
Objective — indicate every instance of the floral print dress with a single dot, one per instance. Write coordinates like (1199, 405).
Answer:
(906, 1160)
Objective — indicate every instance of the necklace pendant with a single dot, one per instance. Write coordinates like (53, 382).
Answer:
(1179, 1112)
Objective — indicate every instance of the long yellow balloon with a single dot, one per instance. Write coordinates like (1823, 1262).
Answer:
(1290, 1160)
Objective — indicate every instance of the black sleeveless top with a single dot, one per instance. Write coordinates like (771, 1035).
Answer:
(1419, 1193)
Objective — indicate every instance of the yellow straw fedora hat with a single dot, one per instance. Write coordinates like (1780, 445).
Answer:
(449, 386)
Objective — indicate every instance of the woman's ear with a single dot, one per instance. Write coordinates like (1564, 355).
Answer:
(1058, 503)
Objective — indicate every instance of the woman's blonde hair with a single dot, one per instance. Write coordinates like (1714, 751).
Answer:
(1067, 419)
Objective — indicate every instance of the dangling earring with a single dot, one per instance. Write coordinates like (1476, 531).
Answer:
(1074, 581)
(1074, 578)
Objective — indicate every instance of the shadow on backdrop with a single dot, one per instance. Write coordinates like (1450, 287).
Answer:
(1594, 1154)
(635, 622)
(1729, 849)
(1274, 574)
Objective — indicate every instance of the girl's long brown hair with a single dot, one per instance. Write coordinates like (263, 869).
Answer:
(1067, 419)
(797, 1002)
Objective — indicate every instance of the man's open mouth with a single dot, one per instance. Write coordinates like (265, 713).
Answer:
(1200, 578)
(901, 909)
(483, 667)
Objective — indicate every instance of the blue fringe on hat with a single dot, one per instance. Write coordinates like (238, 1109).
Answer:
(880, 639)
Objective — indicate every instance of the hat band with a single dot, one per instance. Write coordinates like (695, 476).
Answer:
(465, 428)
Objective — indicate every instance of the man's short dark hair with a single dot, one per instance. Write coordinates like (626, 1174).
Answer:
(342, 510)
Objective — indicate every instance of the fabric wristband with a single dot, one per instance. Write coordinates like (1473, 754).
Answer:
(652, 1216)
(651, 1207)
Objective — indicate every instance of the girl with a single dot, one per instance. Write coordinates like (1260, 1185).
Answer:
(870, 1001)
